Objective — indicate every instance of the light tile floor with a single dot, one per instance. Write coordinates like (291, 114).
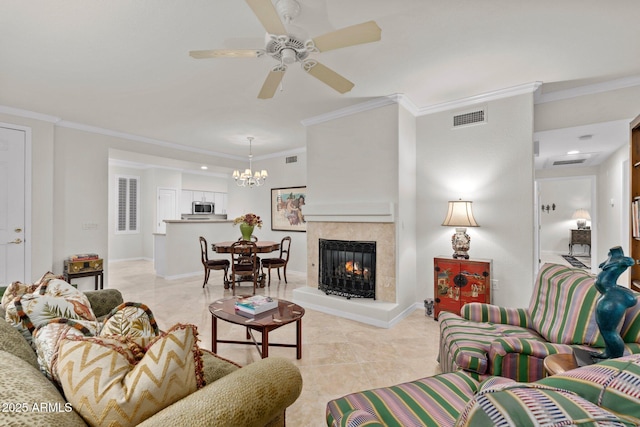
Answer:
(340, 356)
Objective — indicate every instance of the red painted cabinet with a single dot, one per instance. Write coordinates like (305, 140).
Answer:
(458, 281)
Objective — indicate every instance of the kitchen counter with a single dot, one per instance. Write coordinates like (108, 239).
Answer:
(177, 251)
(196, 220)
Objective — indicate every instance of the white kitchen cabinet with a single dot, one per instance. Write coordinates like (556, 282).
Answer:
(203, 196)
(220, 200)
(186, 197)
(189, 196)
(198, 196)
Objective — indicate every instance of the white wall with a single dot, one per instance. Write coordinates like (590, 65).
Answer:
(407, 275)
(355, 158)
(242, 200)
(80, 195)
(492, 165)
(613, 204)
(587, 109)
(200, 182)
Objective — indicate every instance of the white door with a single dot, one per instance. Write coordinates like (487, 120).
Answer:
(166, 208)
(12, 206)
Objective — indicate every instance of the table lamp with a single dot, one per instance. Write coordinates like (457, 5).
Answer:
(581, 215)
(460, 216)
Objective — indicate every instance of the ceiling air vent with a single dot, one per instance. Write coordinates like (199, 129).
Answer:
(470, 118)
(291, 159)
(568, 162)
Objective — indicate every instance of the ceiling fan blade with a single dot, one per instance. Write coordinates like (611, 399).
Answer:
(366, 32)
(271, 84)
(329, 77)
(224, 53)
(268, 16)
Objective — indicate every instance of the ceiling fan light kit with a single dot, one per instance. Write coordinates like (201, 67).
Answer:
(286, 48)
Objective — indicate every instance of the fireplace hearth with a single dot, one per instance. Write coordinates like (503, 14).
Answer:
(347, 268)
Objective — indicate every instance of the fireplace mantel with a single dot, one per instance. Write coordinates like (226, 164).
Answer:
(350, 212)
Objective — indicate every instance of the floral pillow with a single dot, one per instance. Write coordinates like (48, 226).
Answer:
(52, 299)
(128, 320)
(47, 338)
(131, 319)
(109, 381)
(17, 289)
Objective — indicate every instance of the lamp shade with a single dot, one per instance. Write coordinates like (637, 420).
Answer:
(460, 214)
(581, 214)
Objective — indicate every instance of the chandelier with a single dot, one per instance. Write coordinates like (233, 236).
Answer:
(248, 178)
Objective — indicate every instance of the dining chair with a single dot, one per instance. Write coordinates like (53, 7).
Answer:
(281, 261)
(245, 264)
(212, 264)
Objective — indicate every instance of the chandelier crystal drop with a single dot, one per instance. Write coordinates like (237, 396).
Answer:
(248, 178)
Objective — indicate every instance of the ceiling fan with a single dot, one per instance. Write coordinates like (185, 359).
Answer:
(287, 48)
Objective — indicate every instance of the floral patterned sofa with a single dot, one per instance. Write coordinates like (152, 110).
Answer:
(605, 394)
(512, 342)
(57, 371)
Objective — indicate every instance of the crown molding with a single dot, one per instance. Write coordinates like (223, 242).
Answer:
(485, 97)
(29, 114)
(350, 110)
(575, 92)
(400, 99)
(124, 135)
(407, 103)
(147, 166)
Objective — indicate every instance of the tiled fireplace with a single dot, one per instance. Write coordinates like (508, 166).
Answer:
(380, 234)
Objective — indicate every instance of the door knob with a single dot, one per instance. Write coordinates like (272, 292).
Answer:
(17, 241)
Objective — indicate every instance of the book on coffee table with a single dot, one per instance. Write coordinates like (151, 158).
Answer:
(256, 304)
(583, 357)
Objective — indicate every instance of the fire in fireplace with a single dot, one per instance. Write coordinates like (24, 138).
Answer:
(347, 268)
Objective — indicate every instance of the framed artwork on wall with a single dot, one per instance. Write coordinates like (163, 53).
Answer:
(287, 205)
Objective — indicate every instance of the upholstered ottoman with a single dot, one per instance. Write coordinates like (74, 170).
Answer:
(434, 401)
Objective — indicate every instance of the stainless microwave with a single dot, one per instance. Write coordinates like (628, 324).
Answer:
(202, 208)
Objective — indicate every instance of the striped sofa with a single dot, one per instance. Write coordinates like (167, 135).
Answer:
(606, 394)
(512, 342)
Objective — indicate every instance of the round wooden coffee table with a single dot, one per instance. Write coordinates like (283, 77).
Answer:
(558, 363)
(286, 312)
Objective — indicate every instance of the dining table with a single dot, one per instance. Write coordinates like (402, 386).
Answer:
(262, 246)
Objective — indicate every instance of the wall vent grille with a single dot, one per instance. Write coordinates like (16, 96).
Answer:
(291, 159)
(568, 162)
(470, 118)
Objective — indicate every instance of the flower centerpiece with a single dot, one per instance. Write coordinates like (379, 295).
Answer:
(247, 223)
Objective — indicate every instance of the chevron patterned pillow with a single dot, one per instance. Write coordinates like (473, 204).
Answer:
(106, 385)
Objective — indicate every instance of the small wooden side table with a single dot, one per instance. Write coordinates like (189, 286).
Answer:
(559, 363)
(580, 237)
(93, 273)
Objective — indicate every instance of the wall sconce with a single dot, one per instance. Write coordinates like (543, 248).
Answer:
(547, 207)
(460, 216)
